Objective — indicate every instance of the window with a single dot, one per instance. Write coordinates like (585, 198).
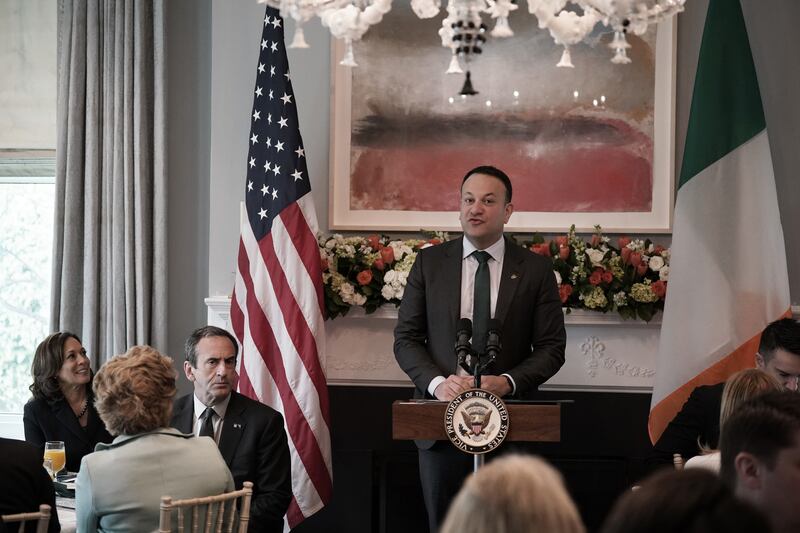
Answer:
(27, 191)
(26, 241)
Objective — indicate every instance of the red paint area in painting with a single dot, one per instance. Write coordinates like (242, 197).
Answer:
(557, 176)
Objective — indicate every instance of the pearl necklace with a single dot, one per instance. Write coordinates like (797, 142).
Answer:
(85, 408)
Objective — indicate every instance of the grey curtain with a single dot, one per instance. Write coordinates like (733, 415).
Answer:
(109, 260)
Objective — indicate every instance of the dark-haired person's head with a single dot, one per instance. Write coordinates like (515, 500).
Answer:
(685, 501)
(760, 447)
(210, 364)
(485, 205)
(59, 362)
(779, 351)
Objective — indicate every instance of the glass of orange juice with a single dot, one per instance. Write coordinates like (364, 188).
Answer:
(54, 451)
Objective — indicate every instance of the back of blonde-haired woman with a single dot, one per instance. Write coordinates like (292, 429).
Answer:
(513, 494)
(739, 388)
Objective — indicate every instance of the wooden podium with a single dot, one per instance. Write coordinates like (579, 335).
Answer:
(528, 421)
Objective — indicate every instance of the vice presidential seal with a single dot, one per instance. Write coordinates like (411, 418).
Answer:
(476, 421)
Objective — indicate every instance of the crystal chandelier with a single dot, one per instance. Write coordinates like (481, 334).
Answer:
(464, 31)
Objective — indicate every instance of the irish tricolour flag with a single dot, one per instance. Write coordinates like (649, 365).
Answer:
(728, 275)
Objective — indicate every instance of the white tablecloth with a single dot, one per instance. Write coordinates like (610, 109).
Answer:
(66, 514)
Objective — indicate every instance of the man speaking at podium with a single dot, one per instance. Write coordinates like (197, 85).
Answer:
(481, 277)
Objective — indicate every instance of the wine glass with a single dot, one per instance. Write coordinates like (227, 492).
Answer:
(48, 466)
(54, 451)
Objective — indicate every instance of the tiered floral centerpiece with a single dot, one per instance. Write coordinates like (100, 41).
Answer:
(630, 278)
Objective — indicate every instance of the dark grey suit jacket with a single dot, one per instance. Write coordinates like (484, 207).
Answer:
(528, 306)
(254, 446)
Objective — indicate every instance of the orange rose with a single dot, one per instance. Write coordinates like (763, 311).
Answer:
(659, 288)
(635, 258)
(623, 242)
(374, 241)
(564, 292)
(641, 268)
(596, 277)
(379, 264)
(541, 249)
(561, 241)
(364, 277)
(387, 254)
(626, 255)
(607, 277)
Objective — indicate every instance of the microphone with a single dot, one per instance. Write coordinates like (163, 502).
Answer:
(463, 347)
(493, 333)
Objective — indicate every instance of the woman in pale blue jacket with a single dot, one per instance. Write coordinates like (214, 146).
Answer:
(120, 485)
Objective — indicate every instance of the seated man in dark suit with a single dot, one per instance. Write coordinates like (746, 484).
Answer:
(250, 435)
(24, 483)
(698, 420)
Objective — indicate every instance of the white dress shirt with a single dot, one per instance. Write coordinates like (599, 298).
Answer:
(218, 420)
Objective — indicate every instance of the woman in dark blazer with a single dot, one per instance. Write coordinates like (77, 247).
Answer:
(62, 405)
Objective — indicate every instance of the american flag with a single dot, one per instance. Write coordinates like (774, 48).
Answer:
(277, 303)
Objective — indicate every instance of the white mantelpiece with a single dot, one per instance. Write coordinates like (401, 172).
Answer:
(604, 352)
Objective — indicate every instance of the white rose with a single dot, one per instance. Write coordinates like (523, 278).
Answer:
(558, 277)
(656, 263)
(663, 274)
(387, 292)
(346, 290)
(595, 256)
(390, 276)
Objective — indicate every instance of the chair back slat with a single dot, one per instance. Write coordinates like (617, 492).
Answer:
(41, 517)
(231, 517)
(218, 505)
(180, 520)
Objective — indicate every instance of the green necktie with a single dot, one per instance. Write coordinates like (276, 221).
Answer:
(481, 302)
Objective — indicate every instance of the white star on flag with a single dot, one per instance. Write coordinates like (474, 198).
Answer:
(300, 152)
(264, 190)
(287, 99)
(276, 169)
(254, 139)
(256, 115)
(249, 185)
(297, 175)
(279, 146)
(258, 91)
(252, 162)
(262, 213)
(282, 122)
(274, 194)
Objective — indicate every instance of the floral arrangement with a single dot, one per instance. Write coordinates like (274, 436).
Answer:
(367, 271)
(630, 279)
